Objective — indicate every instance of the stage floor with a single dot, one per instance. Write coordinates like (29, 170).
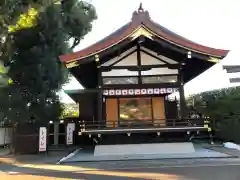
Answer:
(200, 152)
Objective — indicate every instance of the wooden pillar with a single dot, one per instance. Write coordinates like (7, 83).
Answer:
(182, 104)
(139, 64)
(56, 132)
(99, 96)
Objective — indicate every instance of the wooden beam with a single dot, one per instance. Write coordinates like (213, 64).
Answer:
(141, 68)
(160, 75)
(81, 91)
(144, 130)
(180, 50)
(140, 86)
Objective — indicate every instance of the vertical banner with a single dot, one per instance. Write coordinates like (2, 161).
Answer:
(42, 139)
(70, 129)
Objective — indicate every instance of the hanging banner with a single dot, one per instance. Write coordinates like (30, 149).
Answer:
(150, 91)
(70, 129)
(42, 139)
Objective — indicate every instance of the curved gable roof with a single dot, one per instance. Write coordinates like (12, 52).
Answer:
(142, 18)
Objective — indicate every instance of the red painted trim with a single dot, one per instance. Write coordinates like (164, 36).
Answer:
(188, 44)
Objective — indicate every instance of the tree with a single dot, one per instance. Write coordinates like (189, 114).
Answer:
(222, 106)
(10, 11)
(40, 35)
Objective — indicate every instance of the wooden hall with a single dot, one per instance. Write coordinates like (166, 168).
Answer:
(128, 77)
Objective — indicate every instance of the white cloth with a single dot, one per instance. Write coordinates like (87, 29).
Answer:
(231, 145)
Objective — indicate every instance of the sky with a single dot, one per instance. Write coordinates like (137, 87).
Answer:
(213, 23)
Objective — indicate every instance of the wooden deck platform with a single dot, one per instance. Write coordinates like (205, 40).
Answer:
(168, 125)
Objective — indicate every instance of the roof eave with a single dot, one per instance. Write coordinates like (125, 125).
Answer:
(142, 19)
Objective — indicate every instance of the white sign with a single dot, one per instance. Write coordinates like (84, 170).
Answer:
(70, 129)
(42, 139)
(151, 91)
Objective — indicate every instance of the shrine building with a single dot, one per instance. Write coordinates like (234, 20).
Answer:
(128, 77)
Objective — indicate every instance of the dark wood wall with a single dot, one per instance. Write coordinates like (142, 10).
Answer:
(88, 107)
(171, 109)
(26, 138)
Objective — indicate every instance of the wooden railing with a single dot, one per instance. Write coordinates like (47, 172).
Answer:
(158, 123)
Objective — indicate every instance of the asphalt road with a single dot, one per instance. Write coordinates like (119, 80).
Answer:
(192, 172)
(127, 170)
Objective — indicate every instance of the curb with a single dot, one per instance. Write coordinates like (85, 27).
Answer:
(147, 159)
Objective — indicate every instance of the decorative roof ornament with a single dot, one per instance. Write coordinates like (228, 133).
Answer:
(214, 60)
(140, 9)
(141, 31)
(72, 64)
(140, 15)
(97, 58)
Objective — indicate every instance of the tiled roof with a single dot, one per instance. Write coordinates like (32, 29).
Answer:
(142, 18)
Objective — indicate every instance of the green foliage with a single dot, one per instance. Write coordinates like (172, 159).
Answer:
(76, 27)
(70, 110)
(25, 21)
(35, 41)
(3, 76)
(3, 80)
(10, 11)
(222, 106)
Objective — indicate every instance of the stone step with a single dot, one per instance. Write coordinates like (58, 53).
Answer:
(154, 148)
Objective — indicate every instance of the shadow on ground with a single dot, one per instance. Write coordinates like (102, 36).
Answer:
(49, 171)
